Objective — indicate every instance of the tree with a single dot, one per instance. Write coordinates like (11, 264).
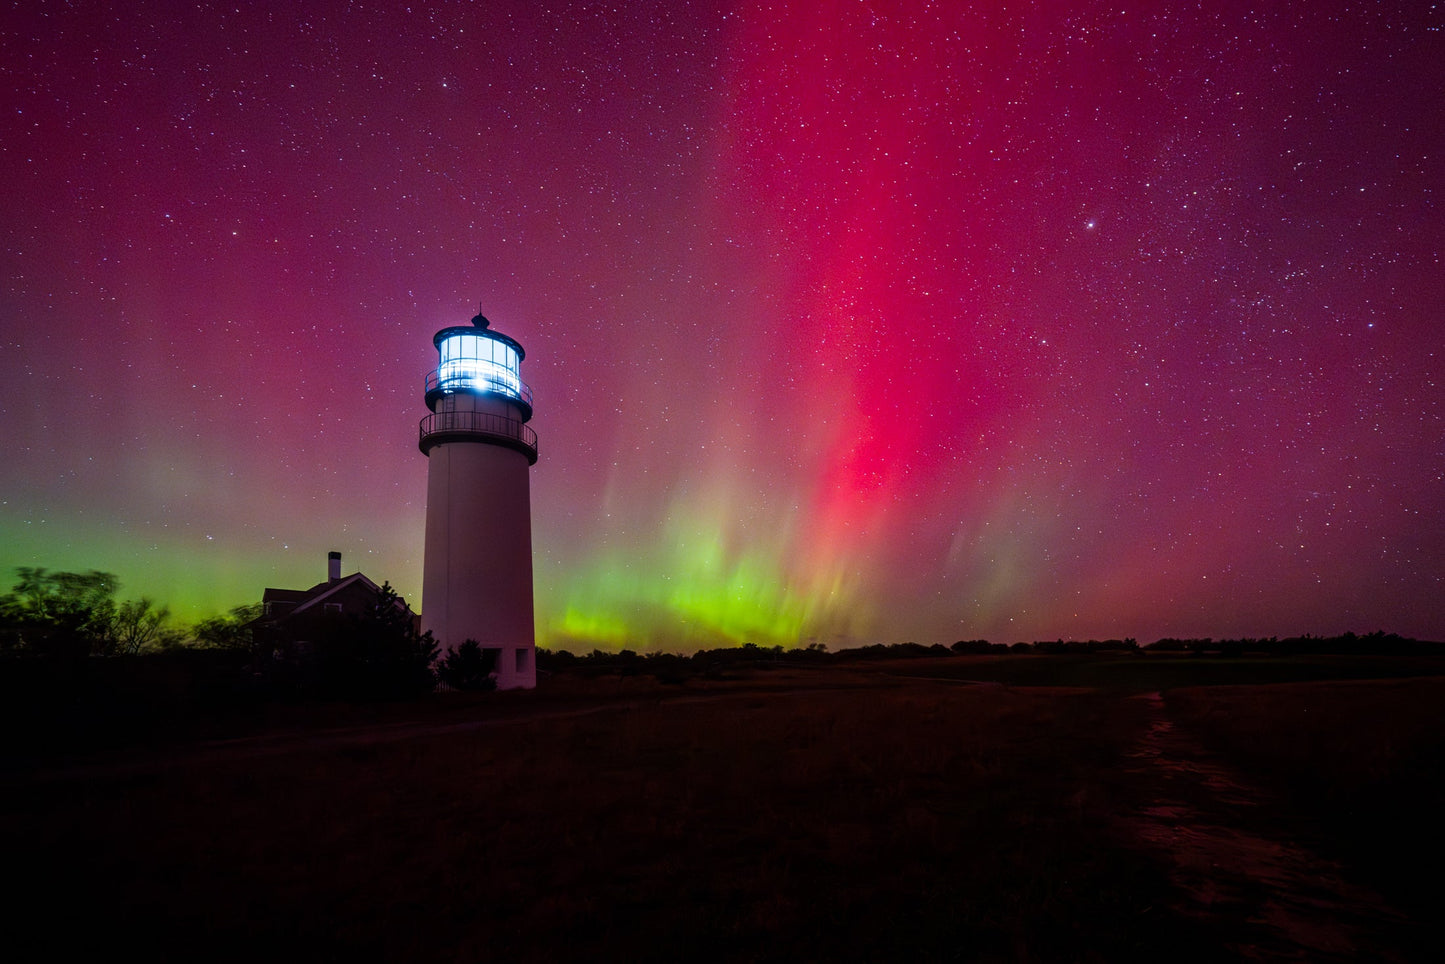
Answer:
(139, 624)
(41, 594)
(62, 613)
(231, 630)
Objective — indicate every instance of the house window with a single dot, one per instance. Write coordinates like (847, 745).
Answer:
(522, 660)
(333, 607)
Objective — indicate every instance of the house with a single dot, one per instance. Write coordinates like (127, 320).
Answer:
(291, 618)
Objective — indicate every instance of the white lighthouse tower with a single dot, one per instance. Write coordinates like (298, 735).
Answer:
(477, 576)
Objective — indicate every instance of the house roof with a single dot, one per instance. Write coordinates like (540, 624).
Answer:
(301, 600)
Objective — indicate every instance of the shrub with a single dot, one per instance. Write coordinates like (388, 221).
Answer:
(468, 668)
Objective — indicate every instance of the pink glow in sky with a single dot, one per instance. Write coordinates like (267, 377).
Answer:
(851, 322)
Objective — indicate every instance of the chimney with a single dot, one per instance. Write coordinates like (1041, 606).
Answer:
(333, 566)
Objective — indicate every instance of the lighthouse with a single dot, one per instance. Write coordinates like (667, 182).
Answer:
(477, 573)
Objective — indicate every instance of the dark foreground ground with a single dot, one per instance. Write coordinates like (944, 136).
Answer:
(1033, 808)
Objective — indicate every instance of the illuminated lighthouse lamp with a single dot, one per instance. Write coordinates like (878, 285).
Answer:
(481, 361)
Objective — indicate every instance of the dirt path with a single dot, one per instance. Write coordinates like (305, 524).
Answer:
(1238, 868)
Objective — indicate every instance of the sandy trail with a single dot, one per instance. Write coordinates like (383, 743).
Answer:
(1282, 899)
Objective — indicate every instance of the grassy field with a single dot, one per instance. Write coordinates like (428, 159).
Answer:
(859, 813)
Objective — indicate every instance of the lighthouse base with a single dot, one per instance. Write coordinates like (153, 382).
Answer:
(516, 669)
(477, 574)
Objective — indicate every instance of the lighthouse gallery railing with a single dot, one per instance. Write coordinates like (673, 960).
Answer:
(485, 424)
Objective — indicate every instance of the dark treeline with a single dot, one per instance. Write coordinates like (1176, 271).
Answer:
(1378, 643)
(706, 662)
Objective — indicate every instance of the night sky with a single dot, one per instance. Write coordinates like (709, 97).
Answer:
(847, 322)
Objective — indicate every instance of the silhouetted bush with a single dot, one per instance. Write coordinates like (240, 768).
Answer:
(469, 668)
